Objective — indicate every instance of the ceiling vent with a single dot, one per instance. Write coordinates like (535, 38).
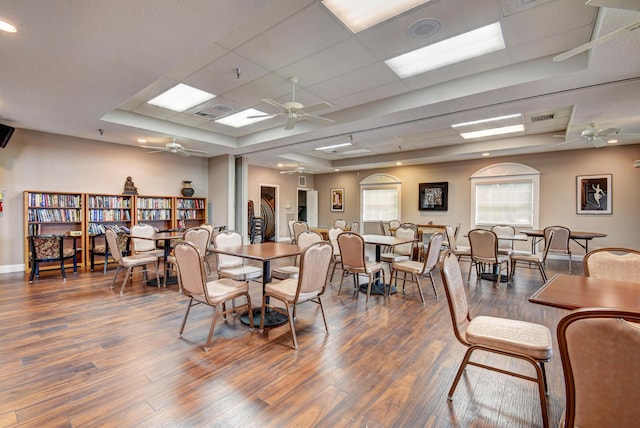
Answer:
(542, 117)
(206, 115)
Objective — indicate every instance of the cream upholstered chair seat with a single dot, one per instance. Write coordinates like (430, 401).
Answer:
(518, 339)
(214, 293)
(308, 287)
(622, 264)
(233, 266)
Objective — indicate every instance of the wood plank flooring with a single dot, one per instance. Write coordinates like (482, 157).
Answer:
(77, 354)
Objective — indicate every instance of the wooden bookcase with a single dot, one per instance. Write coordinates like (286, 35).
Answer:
(190, 212)
(54, 213)
(103, 210)
(157, 211)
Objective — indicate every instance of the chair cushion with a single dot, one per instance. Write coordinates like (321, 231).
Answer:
(408, 266)
(221, 290)
(241, 273)
(285, 272)
(526, 256)
(393, 257)
(138, 259)
(99, 249)
(520, 337)
(286, 290)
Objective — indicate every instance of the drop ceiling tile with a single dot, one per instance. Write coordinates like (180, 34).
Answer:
(357, 81)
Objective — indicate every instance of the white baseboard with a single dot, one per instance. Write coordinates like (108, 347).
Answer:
(12, 268)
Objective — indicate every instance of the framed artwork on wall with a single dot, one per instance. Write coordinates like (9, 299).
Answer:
(337, 200)
(433, 196)
(593, 194)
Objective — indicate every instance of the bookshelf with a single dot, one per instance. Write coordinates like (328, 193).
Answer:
(156, 211)
(190, 212)
(102, 211)
(54, 213)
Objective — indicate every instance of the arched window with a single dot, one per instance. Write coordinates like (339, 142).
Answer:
(505, 193)
(380, 197)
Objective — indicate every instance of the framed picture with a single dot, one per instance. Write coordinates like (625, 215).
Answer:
(593, 194)
(433, 196)
(302, 181)
(337, 200)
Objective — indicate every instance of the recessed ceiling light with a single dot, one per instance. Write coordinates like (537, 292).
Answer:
(336, 169)
(141, 140)
(491, 119)
(5, 26)
(460, 48)
(181, 97)
(359, 15)
(398, 163)
(485, 154)
(335, 146)
(240, 119)
(612, 141)
(494, 131)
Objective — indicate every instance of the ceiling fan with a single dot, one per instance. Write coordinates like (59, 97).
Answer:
(173, 147)
(598, 138)
(618, 4)
(298, 170)
(295, 111)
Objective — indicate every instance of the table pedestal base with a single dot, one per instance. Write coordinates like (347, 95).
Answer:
(271, 318)
(494, 277)
(170, 281)
(377, 288)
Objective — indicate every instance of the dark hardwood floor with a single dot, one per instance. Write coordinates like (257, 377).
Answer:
(77, 354)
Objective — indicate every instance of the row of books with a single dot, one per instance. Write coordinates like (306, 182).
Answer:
(109, 202)
(154, 215)
(109, 215)
(191, 203)
(99, 229)
(55, 215)
(54, 200)
(152, 203)
(191, 214)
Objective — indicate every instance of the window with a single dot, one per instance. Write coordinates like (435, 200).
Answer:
(505, 194)
(380, 198)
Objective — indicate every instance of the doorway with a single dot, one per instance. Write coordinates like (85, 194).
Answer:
(307, 206)
(269, 211)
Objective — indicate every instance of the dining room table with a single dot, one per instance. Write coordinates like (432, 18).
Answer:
(263, 252)
(382, 241)
(575, 291)
(537, 235)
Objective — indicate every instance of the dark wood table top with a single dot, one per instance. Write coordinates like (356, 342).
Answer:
(573, 234)
(574, 291)
(263, 251)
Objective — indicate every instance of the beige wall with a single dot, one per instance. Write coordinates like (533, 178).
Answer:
(49, 162)
(557, 191)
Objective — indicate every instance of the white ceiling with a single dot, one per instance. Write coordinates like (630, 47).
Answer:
(75, 67)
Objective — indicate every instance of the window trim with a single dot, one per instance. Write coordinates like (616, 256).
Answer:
(380, 181)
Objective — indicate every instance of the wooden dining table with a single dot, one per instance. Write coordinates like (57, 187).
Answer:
(263, 252)
(166, 237)
(574, 291)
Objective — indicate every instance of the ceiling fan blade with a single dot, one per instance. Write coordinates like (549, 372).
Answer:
(607, 131)
(183, 153)
(273, 103)
(265, 115)
(567, 142)
(589, 45)
(199, 152)
(156, 151)
(317, 107)
(288, 172)
(317, 119)
(290, 123)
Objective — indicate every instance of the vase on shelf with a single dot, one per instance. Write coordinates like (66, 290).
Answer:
(187, 190)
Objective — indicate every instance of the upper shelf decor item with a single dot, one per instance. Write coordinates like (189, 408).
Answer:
(187, 190)
(129, 187)
(594, 194)
(433, 196)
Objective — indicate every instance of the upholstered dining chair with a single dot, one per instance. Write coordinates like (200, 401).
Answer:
(522, 340)
(484, 251)
(341, 223)
(420, 269)
(599, 352)
(305, 238)
(355, 227)
(200, 238)
(102, 249)
(216, 293)
(505, 246)
(621, 264)
(307, 287)
(352, 254)
(394, 224)
(333, 239)
(144, 246)
(452, 238)
(298, 227)
(538, 259)
(560, 242)
(402, 252)
(129, 262)
(233, 266)
(50, 248)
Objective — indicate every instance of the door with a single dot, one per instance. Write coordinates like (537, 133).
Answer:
(312, 208)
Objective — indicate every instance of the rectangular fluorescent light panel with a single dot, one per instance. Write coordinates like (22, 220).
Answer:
(491, 119)
(335, 146)
(359, 15)
(494, 131)
(240, 119)
(460, 48)
(181, 97)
